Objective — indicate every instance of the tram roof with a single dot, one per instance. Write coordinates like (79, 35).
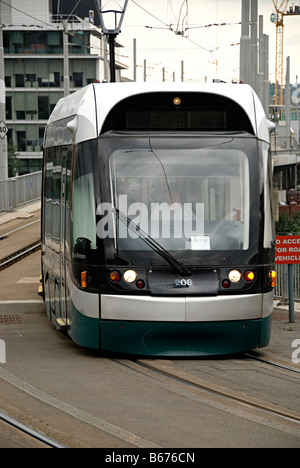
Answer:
(86, 110)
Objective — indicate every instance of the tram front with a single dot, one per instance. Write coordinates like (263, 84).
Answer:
(184, 228)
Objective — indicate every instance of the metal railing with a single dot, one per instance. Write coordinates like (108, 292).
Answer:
(16, 191)
(284, 144)
(281, 290)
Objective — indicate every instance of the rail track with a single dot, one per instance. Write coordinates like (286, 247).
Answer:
(7, 234)
(258, 357)
(21, 252)
(19, 255)
(76, 413)
(33, 433)
(224, 398)
(166, 375)
(215, 389)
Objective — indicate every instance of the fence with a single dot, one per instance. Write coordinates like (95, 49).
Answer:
(18, 190)
(283, 144)
(281, 290)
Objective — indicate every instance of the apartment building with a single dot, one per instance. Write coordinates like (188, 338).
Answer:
(33, 38)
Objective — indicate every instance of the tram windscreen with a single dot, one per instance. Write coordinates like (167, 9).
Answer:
(192, 199)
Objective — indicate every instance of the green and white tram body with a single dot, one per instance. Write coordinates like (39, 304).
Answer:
(157, 230)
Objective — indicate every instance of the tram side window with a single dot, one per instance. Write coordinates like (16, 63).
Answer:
(56, 200)
(48, 196)
(83, 202)
(67, 197)
(269, 227)
(57, 197)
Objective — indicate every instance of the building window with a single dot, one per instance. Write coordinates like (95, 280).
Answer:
(31, 165)
(20, 82)
(8, 107)
(20, 115)
(30, 80)
(43, 107)
(41, 136)
(21, 141)
(19, 105)
(8, 81)
(78, 80)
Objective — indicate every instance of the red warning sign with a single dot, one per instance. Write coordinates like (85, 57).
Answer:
(287, 250)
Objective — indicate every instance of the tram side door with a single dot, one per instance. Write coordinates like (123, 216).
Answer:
(64, 233)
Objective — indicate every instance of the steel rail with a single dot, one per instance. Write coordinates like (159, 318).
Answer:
(77, 413)
(188, 379)
(16, 256)
(4, 236)
(30, 431)
(272, 363)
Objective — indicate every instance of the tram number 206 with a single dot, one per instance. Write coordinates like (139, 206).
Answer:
(183, 283)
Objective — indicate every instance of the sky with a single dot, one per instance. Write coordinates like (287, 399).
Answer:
(207, 52)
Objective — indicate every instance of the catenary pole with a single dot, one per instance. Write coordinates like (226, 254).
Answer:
(245, 42)
(66, 60)
(134, 60)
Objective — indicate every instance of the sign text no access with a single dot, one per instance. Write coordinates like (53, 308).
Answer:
(287, 250)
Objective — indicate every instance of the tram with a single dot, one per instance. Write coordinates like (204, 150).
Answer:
(157, 229)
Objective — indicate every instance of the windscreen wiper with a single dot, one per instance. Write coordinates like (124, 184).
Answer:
(182, 269)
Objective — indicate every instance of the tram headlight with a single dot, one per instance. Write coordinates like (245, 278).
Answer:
(130, 276)
(235, 276)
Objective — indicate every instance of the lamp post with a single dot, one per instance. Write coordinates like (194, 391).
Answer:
(111, 27)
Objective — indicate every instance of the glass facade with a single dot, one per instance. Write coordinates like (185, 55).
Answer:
(44, 42)
(34, 72)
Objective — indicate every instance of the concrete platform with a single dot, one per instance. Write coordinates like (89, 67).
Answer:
(23, 212)
(19, 228)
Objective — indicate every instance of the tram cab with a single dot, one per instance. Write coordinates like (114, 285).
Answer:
(158, 234)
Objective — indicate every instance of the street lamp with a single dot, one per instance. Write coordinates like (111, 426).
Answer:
(111, 27)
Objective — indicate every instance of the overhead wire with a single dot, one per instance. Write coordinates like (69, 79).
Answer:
(149, 13)
(182, 32)
(185, 2)
(79, 1)
(168, 26)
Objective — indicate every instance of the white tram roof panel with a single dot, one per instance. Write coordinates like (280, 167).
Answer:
(88, 108)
